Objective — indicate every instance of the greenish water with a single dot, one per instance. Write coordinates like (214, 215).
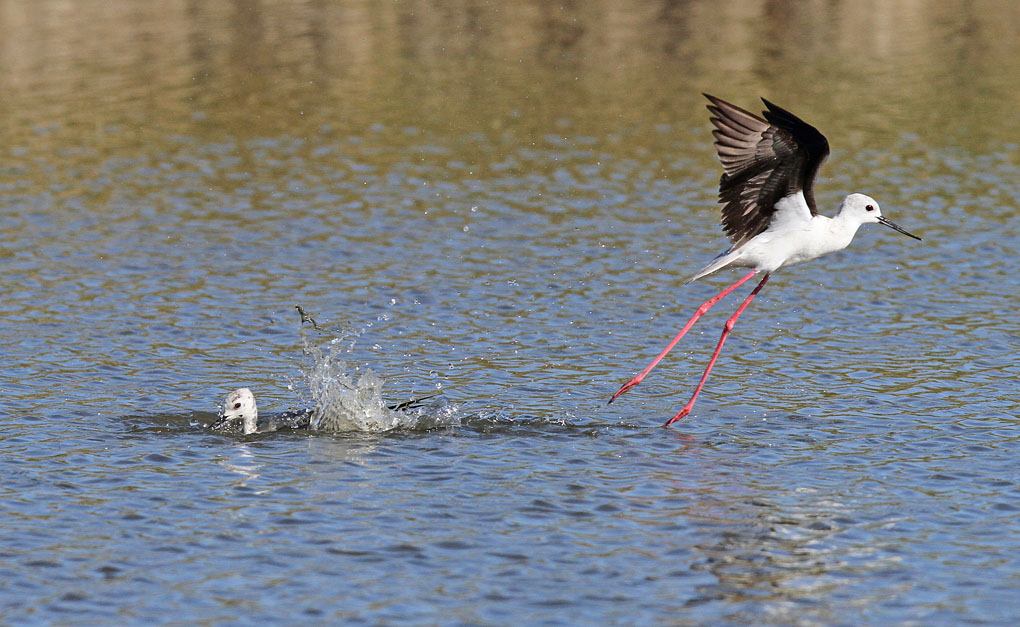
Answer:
(499, 201)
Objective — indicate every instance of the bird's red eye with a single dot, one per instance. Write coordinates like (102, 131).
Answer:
(870, 208)
(237, 405)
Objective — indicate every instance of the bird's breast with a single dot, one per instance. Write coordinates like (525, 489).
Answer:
(773, 250)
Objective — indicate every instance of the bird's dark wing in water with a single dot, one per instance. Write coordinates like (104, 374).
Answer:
(411, 404)
(301, 418)
(296, 419)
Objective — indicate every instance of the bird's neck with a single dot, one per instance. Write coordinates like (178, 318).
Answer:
(843, 229)
(251, 422)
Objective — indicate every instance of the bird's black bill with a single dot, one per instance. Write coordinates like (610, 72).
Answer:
(892, 225)
(221, 422)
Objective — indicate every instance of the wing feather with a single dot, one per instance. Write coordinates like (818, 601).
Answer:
(763, 160)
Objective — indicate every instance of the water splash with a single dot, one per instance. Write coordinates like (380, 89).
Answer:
(346, 401)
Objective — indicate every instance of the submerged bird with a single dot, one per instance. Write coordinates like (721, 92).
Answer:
(769, 213)
(240, 405)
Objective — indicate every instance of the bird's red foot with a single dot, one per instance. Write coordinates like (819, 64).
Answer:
(683, 413)
(626, 388)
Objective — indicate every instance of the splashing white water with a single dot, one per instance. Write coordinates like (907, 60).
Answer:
(346, 402)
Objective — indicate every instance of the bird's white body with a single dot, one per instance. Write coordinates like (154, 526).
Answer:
(795, 236)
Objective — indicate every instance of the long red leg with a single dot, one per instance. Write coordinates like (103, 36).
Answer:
(687, 327)
(722, 340)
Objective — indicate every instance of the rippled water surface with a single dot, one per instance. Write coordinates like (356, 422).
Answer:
(499, 202)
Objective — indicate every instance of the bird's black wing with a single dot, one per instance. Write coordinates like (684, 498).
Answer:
(294, 419)
(414, 403)
(764, 160)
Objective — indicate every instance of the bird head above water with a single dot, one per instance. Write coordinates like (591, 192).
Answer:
(239, 405)
(862, 209)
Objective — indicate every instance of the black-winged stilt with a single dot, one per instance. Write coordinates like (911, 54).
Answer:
(240, 405)
(768, 209)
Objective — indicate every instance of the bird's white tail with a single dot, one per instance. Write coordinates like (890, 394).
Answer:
(718, 263)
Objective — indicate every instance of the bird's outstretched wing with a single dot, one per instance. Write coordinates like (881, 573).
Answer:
(764, 160)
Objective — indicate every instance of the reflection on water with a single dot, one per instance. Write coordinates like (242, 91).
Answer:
(244, 465)
(502, 197)
(138, 73)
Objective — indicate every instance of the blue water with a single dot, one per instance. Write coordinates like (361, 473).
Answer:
(852, 459)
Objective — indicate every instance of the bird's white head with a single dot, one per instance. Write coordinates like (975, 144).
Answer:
(862, 209)
(239, 405)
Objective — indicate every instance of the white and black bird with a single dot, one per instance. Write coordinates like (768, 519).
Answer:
(769, 212)
(240, 405)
